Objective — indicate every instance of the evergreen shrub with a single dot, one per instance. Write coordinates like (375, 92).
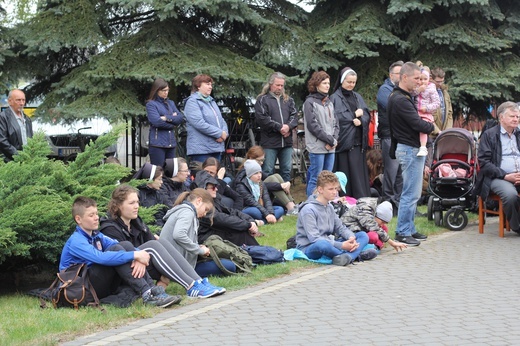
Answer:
(36, 195)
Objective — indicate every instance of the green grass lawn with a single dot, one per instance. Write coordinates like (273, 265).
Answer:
(23, 322)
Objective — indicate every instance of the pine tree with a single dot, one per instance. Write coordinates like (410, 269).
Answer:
(474, 41)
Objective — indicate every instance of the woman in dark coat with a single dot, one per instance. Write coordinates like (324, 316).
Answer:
(163, 116)
(353, 117)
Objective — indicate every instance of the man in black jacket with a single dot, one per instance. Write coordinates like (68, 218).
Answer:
(405, 126)
(275, 113)
(392, 178)
(15, 126)
(499, 161)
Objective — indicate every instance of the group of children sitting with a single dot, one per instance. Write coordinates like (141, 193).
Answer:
(120, 249)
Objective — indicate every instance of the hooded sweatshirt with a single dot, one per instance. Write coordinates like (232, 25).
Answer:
(181, 230)
(317, 221)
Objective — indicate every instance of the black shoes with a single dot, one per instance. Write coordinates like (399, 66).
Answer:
(408, 240)
(342, 260)
(419, 236)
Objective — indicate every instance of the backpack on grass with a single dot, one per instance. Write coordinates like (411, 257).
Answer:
(72, 289)
(262, 254)
(219, 248)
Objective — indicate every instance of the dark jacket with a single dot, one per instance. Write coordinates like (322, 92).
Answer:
(346, 116)
(231, 224)
(383, 127)
(10, 134)
(225, 190)
(162, 132)
(271, 114)
(149, 197)
(243, 188)
(489, 159)
(405, 123)
(117, 230)
(172, 189)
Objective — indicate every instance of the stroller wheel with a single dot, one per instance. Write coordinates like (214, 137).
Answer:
(430, 208)
(437, 217)
(455, 219)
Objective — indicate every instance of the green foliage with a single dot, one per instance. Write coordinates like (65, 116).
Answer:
(37, 194)
(91, 57)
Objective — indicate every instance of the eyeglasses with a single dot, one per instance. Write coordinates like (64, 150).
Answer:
(214, 188)
(260, 160)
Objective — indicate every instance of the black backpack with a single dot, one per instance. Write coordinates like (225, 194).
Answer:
(264, 254)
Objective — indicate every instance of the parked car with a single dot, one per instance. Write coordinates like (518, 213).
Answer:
(67, 140)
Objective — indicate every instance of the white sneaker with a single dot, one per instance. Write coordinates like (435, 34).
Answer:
(422, 151)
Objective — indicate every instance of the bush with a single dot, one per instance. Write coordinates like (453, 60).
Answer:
(36, 195)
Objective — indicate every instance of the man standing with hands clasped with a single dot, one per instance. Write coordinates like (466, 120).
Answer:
(15, 126)
(275, 114)
(405, 126)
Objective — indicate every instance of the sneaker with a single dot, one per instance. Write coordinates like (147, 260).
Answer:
(342, 260)
(407, 239)
(419, 236)
(422, 151)
(367, 255)
(221, 290)
(158, 297)
(293, 212)
(200, 290)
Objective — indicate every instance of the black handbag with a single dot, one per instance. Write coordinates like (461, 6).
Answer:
(71, 288)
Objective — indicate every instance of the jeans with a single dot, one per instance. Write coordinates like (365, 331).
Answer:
(202, 157)
(284, 156)
(159, 155)
(392, 175)
(323, 247)
(412, 167)
(208, 268)
(318, 163)
(256, 214)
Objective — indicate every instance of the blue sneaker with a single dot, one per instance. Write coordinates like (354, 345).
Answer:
(221, 290)
(200, 290)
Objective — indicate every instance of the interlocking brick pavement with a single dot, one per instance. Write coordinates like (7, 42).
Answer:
(457, 288)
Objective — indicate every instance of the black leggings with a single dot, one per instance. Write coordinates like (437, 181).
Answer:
(106, 279)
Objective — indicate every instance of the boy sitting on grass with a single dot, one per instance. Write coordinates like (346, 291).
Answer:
(110, 263)
(320, 232)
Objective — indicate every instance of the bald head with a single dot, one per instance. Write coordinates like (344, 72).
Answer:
(16, 100)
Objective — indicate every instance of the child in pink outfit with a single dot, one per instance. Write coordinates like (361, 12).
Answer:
(427, 102)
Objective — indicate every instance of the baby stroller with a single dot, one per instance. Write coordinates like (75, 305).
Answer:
(452, 178)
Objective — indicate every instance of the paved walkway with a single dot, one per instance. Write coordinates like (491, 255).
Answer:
(457, 288)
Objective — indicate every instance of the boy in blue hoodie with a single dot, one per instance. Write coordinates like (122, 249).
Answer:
(110, 263)
(320, 232)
